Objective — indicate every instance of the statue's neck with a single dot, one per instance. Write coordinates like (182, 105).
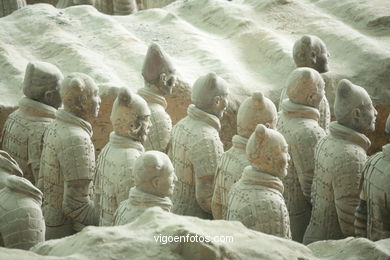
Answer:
(153, 88)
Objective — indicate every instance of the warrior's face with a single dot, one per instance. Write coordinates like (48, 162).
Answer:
(144, 124)
(320, 58)
(167, 83)
(367, 116)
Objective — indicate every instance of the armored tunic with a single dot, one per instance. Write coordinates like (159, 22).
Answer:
(256, 201)
(299, 126)
(229, 171)
(116, 7)
(23, 135)
(376, 192)
(339, 161)
(68, 156)
(8, 6)
(160, 132)
(21, 221)
(195, 152)
(324, 110)
(136, 204)
(114, 174)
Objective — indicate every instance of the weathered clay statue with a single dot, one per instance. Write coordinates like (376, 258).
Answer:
(339, 161)
(256, 199)
(372, 214)
(23, 131)
(298, 123)
(8, 6)
(160, 78)
(130, 119)
(154, 182)
(196, 147)
(21, 221)
(68, 159)
(310, 51)
(68, 3)
(116, 7)
(255, 110)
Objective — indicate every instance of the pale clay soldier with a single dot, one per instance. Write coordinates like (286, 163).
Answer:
(254, 110)
(310, 51)
(68, 159)
(23, 131)
(256, 200)
(130, 118)
(339, 160)
(160, 78)
(154, 182)
(21, 221)
(68, 3)
(298, 123)
(372, 214)
(196, 147)
(9, 6)
(116, 7)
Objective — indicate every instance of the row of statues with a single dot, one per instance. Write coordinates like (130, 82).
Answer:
(287, 173)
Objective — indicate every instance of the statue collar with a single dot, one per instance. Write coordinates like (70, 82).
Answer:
(292, 109)
(252, 176)
(152, 97)
(197, 114)
(67, 117)
(143, 199)
(125, 142)
(239, 142)
(386, 150)
(349, 134)
(35, 108)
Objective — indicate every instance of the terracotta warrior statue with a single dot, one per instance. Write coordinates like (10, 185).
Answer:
(21, 221)
(298, 123)
(154, 182)
(256, 199)
(130, 119)
(339, 160)
(23, 131)
(68, 159)
(8, 6)
(160, 78)
(68, 3)
(255, 110)
(116, 7)
(196, 147)
(372, 214)
(310, 51)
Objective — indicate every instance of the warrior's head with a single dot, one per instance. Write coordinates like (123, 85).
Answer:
(42, 83)
(130, 115)
(80, 96)
(255, 110)
(210, 94)
(158, 70)
(353, 107)
(154, 174)
(267, 151)
(305, 86)
(310, 51)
